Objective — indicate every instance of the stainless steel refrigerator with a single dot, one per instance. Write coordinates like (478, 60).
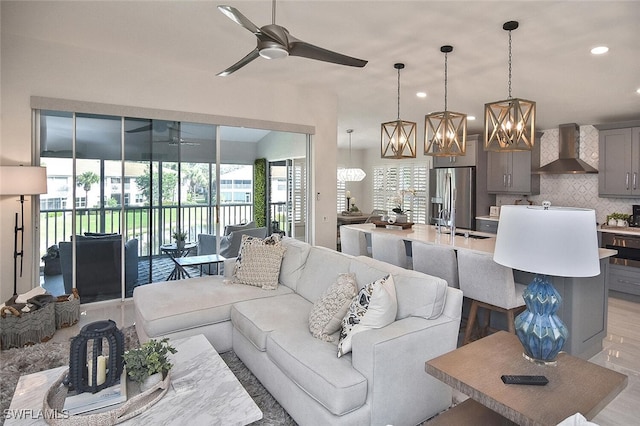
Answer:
(447, 185)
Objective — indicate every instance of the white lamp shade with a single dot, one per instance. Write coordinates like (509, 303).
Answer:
(23, 180)
(351, 174)
(560, 241)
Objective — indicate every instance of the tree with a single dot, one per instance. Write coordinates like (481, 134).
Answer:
(169, 182)
(85, 181)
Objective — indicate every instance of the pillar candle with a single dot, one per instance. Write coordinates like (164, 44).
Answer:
(348, 194)
(101, 376)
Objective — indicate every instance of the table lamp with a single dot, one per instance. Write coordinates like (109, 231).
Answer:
(547, 241)
(21, 180)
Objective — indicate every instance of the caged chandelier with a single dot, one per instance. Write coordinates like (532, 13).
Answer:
(398, 138)
(509, 125)
(445, 133)
(350, 174)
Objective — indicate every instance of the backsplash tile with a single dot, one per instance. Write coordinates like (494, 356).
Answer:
(573, 190)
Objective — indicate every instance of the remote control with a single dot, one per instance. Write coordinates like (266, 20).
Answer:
(525, 380)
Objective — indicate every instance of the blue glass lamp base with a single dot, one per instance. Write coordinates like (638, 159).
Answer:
(541, 332)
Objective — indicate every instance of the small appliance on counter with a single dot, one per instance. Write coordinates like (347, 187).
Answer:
(634, 219)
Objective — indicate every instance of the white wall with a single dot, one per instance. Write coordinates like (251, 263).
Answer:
(32, 67)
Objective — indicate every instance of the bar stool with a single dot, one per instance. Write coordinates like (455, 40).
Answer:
(389, 248)
(490, 286)
(439, 261)
(353, 242)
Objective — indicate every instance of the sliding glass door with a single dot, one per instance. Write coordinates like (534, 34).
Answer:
(121, 187)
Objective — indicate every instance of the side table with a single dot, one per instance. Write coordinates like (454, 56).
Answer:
(575, 385)
(174, 252)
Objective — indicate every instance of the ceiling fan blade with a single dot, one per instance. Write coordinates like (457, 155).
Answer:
(306, 50)
(241, 63)
(237, 17)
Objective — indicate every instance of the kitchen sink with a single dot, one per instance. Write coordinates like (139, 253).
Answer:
(474, 236)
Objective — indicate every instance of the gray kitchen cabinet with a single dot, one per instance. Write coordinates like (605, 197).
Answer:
(619, 163)
(487, 225)
(510, 172)
(467, 160)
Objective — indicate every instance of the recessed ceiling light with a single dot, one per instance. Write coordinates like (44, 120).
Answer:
(421, 94)
(638, 91)
(599, 50)
(471, 117)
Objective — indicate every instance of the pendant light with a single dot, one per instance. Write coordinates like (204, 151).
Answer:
(350, 174)
(398, 138)
(509, 125)
(445, 133)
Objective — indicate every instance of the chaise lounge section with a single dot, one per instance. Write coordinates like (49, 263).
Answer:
(381, 381)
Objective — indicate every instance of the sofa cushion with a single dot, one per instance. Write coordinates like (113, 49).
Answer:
(327, 313)
(172, 306)
(233, 228)
(255, 319)
(259, 261)
(320, 271)
(293, 261)
(375, 306)
(418, 294)
(313, 366)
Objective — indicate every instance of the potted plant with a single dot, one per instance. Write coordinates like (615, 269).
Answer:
(617, 219)
(149, 363)
(180, 239)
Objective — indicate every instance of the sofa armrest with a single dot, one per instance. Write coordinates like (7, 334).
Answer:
(393, 361)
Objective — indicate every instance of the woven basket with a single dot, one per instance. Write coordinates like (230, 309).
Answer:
(134, 405)
(67, 309)
(27, 328)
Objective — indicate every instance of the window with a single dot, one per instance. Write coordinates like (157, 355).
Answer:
(81, 202)
(342, 194)
(388, 181)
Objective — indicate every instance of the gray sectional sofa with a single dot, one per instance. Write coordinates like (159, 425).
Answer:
(381, 382)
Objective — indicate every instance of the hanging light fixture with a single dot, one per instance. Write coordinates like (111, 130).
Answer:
(398, 139)
(509, 125)
(350, 174)
(445, 133)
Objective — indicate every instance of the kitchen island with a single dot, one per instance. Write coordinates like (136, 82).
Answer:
(584, 300)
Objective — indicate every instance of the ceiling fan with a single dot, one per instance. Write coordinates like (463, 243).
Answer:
(275, 41)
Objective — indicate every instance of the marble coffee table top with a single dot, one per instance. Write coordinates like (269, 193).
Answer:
(203, 390)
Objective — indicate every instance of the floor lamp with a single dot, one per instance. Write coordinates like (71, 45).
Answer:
(21, 180)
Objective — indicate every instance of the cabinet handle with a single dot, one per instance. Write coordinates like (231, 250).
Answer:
(635, 180)
(510, 184)
(626, 181)
(626, 282)
(504, 180)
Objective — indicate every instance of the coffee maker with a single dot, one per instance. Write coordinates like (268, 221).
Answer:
(634, 219)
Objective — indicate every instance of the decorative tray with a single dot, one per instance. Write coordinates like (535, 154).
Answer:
(384, 224)
(137, 402)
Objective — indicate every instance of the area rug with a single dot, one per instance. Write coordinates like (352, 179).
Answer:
(43, 356)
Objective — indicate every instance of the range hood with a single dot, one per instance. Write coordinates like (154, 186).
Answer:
(569, 161)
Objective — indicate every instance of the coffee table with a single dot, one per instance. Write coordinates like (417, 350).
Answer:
(575, 385)
(174, 253)
(203, 391)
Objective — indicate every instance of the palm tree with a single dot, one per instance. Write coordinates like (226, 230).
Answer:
(85, 181)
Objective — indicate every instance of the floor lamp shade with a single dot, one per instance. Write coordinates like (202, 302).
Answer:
(548, 242)
(23, 180)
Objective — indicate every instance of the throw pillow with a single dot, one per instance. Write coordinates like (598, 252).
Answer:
(258, 262)
(375, 306)
(327, 313)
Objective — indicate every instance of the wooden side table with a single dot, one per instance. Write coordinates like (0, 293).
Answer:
(575, 385)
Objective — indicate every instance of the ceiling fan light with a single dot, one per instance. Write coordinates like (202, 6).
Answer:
(273, 52)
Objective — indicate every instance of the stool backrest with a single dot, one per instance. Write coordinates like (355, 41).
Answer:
(486, 281)
(353, 242)
(389, 249)
(435, 260)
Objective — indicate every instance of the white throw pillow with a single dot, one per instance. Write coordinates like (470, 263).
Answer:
(258, 262)
(375, 306)
(327, 313)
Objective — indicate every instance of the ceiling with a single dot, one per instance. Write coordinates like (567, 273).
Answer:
(552, 64)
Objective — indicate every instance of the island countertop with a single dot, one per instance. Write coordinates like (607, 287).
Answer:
(428, 234)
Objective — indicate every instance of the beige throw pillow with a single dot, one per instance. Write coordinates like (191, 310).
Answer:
(258, 262)
(327, 313)
(375, 306)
